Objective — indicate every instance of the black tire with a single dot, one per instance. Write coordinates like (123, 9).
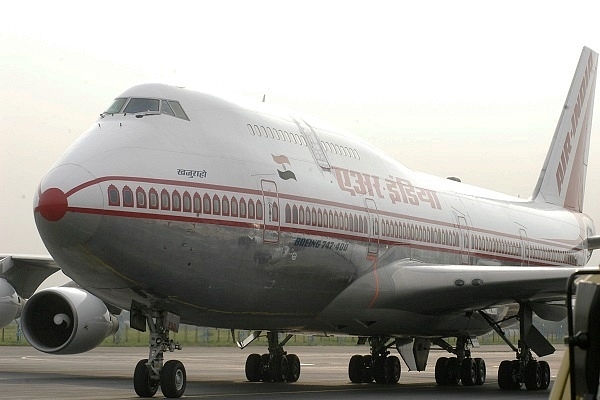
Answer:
(545, 367)
(368, 368)
(441, 371)
(266, 376)
(394, 369)
(533, 376)
(468, 372)
(507, 375)
(481, 371)
(356, 369)
(453, 371)
(293, 373)
(254, 367)
(173, 379)
(278, 368)
(381, 371)
(143, 384)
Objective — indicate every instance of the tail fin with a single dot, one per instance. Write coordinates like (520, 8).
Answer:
(562, 180)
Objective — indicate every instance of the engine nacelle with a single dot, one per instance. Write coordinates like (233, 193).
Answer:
(11, 304)
(63, 320)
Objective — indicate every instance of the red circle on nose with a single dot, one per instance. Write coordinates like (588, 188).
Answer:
(53, 204)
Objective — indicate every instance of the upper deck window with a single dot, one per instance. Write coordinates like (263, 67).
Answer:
(139, 105)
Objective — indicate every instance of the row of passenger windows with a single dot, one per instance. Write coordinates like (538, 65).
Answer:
(330, 219)
(267, 132)
(199, 204)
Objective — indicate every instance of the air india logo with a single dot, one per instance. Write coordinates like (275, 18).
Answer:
(285, 174)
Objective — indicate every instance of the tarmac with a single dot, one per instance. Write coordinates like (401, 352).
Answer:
(218, 373)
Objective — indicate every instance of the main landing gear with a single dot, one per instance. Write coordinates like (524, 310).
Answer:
(276, 366)
(462, 368)
(378, 366)
(512, 374)
(151, 373)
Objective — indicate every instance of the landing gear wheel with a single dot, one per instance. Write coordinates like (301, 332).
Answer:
(368, 368)
(254, 368)
(381, 370)
(481, 371)
(143, 384)
(278, 368)
(356, 369)
(468, 372)
(393, 364)
(441, 371)
(533, 376)
(265, 376)
(293, 368)
(173, 379)
(545, 367)
(507, 375)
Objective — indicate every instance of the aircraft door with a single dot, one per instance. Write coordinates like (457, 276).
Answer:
(271, 214)
(314, 144)
(463, 239)
(372, 226)
(524, 247)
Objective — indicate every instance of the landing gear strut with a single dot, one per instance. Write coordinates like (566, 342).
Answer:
(378, 365)
(151, 373)
(276, 366)
(512, 374)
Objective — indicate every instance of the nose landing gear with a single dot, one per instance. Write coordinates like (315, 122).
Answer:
(152, 372)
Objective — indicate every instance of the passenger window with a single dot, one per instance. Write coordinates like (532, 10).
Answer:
(127, 197)
(141, 198)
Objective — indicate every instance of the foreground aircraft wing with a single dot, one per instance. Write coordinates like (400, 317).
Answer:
(438, 290)
(26, 273)
(447, 288)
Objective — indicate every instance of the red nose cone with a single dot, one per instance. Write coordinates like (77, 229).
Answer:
(53, 204)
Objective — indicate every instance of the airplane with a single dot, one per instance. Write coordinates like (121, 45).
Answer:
(184, 207)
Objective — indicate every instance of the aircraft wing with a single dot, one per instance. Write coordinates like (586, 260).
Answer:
(438, 289)
(26, 273)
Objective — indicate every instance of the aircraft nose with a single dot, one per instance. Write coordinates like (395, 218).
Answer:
(66, 205)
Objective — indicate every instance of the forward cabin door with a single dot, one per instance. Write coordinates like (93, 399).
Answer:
(463, 240)
(372, 227)
(271, 212)
(524, 247)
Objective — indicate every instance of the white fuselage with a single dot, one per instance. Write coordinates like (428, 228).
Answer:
(254, 218)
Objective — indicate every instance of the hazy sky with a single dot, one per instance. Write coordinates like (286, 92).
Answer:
(471, 89)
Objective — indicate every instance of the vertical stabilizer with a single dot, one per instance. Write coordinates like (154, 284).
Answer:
(562, 180)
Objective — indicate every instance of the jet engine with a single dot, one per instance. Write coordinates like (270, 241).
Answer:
(11, 303)
(65, 320)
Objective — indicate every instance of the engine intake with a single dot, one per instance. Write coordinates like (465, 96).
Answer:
(63, 320)
(10, 303)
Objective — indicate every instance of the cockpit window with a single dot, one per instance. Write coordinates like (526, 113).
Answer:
(116, 106)
(165, 108)
(179, 113)
(136, 105)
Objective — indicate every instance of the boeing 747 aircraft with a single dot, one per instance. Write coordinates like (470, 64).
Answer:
(182, 207)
